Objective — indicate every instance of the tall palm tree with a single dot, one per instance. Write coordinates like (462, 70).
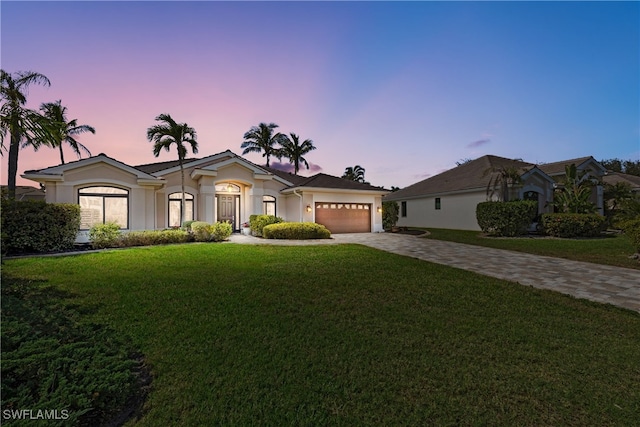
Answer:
(355, 173)
(262, 139)
(170, 133)
(63, 131)
(18, 121)
(293, 150)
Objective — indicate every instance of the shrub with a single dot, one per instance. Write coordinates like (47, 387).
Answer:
(573, 225)
(221, 231)
(631, 229)
(104, 235)
(187, 225)
(258, 222)
(153, 237)
(506, 218)
(205, 232)
(296, 231)
(389, 214)
(37, 226)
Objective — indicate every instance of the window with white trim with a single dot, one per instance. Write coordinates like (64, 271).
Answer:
(102, 204)
(269, 205)
(175, 208)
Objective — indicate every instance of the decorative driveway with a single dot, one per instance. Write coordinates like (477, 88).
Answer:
(614, 285)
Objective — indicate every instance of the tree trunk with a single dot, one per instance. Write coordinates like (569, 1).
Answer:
(61, 153)
(14, 148)
(183, 203)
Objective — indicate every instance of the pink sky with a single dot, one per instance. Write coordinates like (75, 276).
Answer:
(403, 89)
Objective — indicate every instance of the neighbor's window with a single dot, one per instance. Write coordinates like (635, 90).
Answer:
(403, 209)
(438, 204)
(269, 205)
(175, 208)
(103, 204)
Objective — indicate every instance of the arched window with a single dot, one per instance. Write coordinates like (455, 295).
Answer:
(175, 208)
(269, 205)
(227, 188)
(103, 204)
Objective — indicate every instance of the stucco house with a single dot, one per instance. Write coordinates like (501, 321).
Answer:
(220, 187)
(449, 199)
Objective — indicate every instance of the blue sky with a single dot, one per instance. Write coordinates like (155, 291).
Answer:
(404, 89)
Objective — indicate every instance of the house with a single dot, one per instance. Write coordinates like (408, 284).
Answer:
(449, 199)
(25, 192)
(220, 187)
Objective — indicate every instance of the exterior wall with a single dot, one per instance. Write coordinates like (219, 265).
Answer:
(457, 211)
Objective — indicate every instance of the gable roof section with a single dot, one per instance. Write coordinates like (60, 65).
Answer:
(557, 168)
(287, 176)
(474, 175)
(55, 173)
(613, 178)
(151, 168)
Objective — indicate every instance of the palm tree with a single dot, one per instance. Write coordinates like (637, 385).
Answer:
(504, 178)
(170, 133)
(575, 193)
(355, 173)
(63, 131)
(293, 150)
(17, 121)
(261, 139)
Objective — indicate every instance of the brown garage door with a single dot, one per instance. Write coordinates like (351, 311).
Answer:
(344, 217)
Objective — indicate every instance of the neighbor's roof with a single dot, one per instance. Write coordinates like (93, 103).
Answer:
(475, 174)
(615, 177)
(557, 168)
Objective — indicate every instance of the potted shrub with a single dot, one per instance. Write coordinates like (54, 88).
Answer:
(246, 229)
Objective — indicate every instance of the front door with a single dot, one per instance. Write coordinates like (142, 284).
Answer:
(227, 209)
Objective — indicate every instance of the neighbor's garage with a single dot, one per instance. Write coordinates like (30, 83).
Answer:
(344, 217)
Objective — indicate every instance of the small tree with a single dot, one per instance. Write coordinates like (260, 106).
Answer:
(389, 214)
(575, 194)
(502, 180)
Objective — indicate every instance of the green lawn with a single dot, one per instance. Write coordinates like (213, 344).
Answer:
(611, 250)
(348, 335)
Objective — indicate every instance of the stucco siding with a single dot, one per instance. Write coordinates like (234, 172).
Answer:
(456, 212)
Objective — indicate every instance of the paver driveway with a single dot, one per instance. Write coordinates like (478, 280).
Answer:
(602, 283)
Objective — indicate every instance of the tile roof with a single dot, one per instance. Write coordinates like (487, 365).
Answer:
(322, 180)
(288, 176)
(158, 166)
(557, 168)
(475, 174)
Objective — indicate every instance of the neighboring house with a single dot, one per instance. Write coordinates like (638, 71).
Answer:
(24, 192)
(449, 199)
(221, 187)
(613, 178)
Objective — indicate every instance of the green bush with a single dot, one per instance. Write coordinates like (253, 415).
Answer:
(104, 235)
(389, 214)
(573, 225)
(205, 232)
(153, 237)
(258, 222)
(37, 226)
(631, 229)
(506, 218)
(296, 231)
(187, 225)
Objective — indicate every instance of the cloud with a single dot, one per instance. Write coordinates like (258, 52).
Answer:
(478, 143)
(288, 167)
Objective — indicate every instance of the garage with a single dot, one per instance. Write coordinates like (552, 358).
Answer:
(344, 217)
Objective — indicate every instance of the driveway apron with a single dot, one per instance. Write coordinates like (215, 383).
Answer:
(614, 285)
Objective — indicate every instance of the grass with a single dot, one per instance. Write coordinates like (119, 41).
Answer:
(611, 250)
(348, 335)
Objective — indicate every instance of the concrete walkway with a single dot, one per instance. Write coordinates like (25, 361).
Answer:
(614, 285)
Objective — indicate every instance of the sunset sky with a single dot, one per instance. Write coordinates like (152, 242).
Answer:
(404, 89)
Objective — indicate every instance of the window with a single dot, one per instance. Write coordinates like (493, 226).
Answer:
(403, 209)
(103, 204)
(227, 188)
(175, 208)
(269, 205)
(438, 204)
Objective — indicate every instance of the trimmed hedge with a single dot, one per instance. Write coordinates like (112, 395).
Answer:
(104, 235)
(506, 218)
(573, 225)
(153, 237)
(205, 232)
(258, 222)
(296, 231)
(37, 226)
(631, 229)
